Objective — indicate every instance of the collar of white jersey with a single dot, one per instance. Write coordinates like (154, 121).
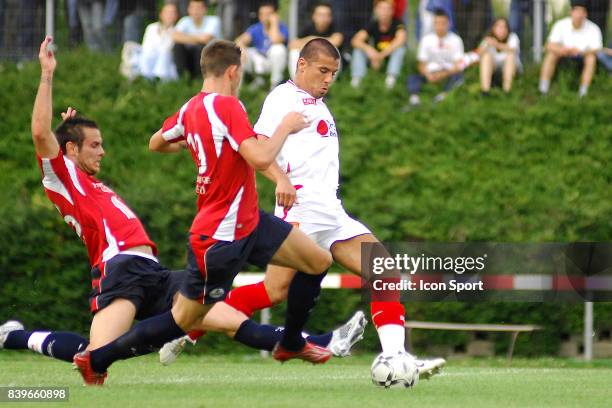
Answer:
(290, 81)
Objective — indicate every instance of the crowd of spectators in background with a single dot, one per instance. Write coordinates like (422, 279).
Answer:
(372, 35)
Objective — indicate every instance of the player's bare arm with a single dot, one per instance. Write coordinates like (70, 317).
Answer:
(44, 140)
(286, 194)
(158, 144)
(261, 152)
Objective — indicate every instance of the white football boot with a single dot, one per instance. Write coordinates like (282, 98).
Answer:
(345, 336)
(8, 327)
(429, 367)
(171, 350)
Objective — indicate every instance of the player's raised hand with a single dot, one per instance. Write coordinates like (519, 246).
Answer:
(69, 114)
(46, 55)
(295, 121)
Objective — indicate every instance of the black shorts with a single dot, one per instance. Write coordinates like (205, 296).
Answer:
(144, 282)
(212, 265)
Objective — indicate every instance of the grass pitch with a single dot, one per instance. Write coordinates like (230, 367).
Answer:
(249, 381)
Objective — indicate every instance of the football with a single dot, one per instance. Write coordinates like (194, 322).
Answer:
(394, 370)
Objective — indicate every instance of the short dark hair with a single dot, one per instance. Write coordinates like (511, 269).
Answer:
(439, 12)
(71, 130)
(199, 1)
(218, 56)
(268, 3)
(318, 46)
(318, 4)
(580, 3)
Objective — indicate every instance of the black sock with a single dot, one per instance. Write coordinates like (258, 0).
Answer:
(59, 345)
(322, 340)
(258, 336)
(17, 340)
(265, 337)
(143, 338)
(304, 291)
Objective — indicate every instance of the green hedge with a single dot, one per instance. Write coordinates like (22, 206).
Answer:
(516, 168)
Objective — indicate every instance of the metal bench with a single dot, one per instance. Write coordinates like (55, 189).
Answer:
(514, 329)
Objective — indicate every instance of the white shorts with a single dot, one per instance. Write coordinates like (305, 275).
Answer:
(325, 234)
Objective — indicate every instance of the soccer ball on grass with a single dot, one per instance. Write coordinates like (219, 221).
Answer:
(395, 370)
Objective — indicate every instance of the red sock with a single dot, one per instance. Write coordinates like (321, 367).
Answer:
(387, 313)
(194, 335)
(249, 299)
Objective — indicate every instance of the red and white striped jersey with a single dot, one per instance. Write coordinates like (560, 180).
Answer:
(214, 126)
(100, 218)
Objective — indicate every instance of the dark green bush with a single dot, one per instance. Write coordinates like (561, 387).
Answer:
(516, 168)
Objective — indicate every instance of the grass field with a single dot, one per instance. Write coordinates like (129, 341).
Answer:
(249, 381)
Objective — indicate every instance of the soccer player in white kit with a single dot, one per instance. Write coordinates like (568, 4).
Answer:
(306, 173)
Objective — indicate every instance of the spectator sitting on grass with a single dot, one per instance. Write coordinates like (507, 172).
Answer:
(264, 45)
(156, 56)
(383, 38)
(191, 34)
(574, 39)
(499, 54)
(440, 57)
(322, 25)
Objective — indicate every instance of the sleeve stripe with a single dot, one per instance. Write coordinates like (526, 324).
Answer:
(52, 182)
(177, 130)
(73, 175)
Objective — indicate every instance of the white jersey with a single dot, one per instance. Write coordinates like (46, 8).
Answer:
(309, 157)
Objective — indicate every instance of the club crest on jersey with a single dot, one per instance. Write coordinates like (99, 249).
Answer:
(309, 101)
(326, 129)
(102, 187)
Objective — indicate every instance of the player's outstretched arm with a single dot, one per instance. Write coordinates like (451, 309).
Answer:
(157, 143)
(261, 152)
(44, 140)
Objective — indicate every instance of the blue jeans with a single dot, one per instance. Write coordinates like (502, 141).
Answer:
(605, 60)
(415, 82)
(92, 23)
(359, 63)
(519, 9)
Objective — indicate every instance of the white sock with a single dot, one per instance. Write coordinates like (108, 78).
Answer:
(36, 340)
(544, 86)
(583, 90)
(392, 338)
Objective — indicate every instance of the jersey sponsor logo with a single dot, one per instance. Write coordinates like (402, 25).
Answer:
(201, 183)
(322, 128)
(102, 187)
(309, 101)
(326, 129)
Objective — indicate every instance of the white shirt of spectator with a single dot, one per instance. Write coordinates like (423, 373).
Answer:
(513, 42)
(155, 58)
(588, 37)
(310, 157)
(440, 53)
(157, 37)
(209, 25)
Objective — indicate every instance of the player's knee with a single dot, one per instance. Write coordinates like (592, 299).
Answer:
(184, 318)
(278, 293)
(320, 263)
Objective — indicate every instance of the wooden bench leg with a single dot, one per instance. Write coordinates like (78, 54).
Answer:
(511, 347)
